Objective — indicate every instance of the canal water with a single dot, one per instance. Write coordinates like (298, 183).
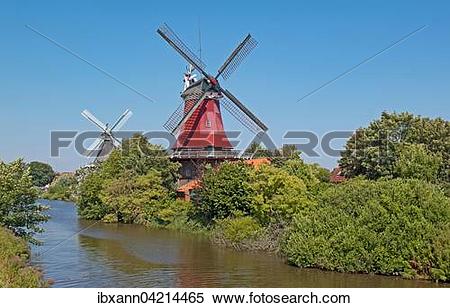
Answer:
(80, 253)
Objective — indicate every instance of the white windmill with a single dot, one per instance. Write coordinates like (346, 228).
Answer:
(102, 146)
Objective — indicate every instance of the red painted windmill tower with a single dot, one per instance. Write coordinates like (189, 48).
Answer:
(197, 122)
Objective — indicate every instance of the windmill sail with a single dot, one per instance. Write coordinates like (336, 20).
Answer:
(236, 57)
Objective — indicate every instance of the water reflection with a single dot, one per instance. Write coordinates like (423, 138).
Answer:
(114, 255)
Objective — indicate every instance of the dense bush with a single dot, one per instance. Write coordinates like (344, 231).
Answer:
(396, 227)
(128, 184)
(374, 150)
(276, 195)
(224, 191)
(416, 162)
(19, 210)
(237, 231)
(14, 271)
(127, 196)
(41, 173)
(62, 188)
(271, 194)
(90, 205)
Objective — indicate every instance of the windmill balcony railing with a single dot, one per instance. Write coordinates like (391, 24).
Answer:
(205, 154)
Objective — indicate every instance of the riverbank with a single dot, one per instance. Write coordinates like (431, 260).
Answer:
(15, 272)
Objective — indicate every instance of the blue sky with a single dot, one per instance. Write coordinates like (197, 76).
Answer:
(302, 45)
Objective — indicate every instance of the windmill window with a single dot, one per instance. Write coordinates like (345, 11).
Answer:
(188, 172)
(208, 123)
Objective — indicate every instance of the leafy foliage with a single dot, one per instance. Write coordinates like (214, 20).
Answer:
(235, 231)
(19, 211)
(416, 162)
(90, 204)
(224, 191)
(14, 271)
(62, 188)
(41, 173)
(127, 196)
(268, 193)
(128, 183)
(373, 151)
(396, 227)
(277, 195)
(137, 157)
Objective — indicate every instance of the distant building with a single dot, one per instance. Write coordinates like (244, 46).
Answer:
(336, 175)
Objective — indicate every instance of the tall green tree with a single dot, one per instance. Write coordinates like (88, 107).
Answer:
(138, 156)
(277, 195)
(127, 197)
(116, 189)
(63, 187)
(416, 162)
(225, 191)
(41, 173)
(373, 151)
(19, 210)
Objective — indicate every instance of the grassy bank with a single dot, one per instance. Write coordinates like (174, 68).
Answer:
(14, 269)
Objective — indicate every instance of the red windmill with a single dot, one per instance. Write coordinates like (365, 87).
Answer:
(197, 122)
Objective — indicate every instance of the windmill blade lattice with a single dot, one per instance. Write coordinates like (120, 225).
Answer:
(174, 118)
(122, 120)
(184, 111)
(239, 115)
(237, 56)
(169, 35)
(244, 110)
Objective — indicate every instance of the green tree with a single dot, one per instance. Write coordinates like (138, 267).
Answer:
(225, 191)
(19, 211)
(277, 195)
(41, 173)
(90, 205)
(63, 187)
(373, 151)
(104, 190)
(138, 156)
(416, 162)
(298, 168)
(127, 196)
(256, 150)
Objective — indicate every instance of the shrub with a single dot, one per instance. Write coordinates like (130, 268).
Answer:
(62, 188)
(236, 232)
(224, 191)
(127, 196)
(19, 210)
(90, 205)
(277, 195)
(373, 151)
(396, 227)
(41, 173)
(416, 162)
(130, 179)
(14, 271)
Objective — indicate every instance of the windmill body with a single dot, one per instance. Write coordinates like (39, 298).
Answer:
(106, 142)
(197, 122)
(204, 129)
(105, 148)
